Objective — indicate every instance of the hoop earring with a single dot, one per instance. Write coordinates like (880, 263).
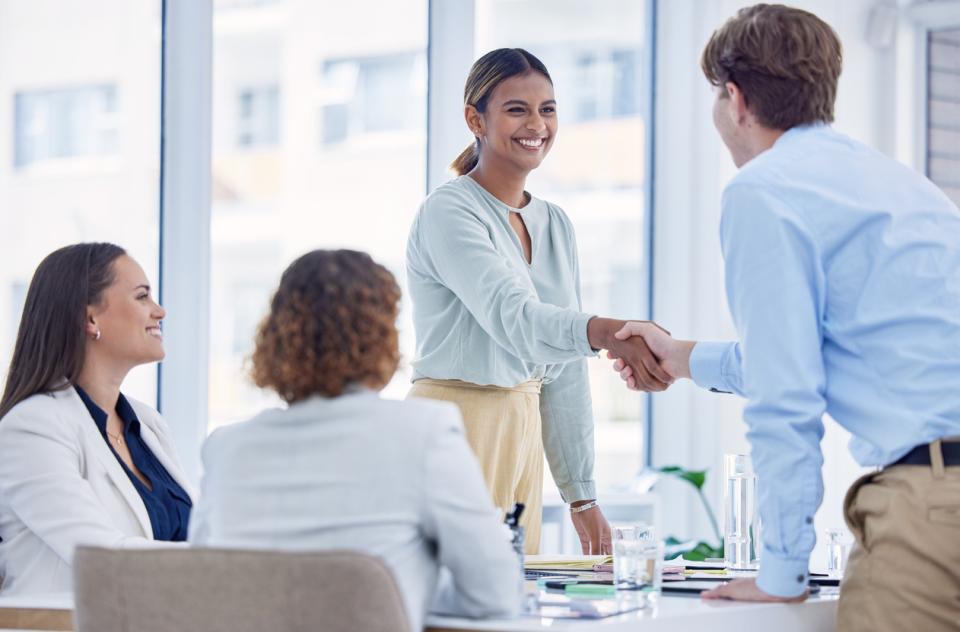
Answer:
(97, 335)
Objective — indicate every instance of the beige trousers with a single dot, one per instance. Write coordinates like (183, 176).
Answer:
(904, 571)
(503, 428)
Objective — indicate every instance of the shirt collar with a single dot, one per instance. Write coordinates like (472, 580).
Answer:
(123, 408)
(501, 206)
(800, 130)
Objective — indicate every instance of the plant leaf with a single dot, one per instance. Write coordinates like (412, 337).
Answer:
(702, 551)
(695, 478)
(670, 469)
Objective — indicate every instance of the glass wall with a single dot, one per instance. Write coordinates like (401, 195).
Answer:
(79, 141)
(319, 141)
(595, 53)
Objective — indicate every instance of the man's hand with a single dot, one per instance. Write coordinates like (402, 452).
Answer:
(593, 530)
(747, 590)
(673, 355)
(645, 370)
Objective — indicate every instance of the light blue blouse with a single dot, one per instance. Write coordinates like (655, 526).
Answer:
(483, 315)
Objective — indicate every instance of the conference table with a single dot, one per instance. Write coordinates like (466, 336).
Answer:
(672, 613)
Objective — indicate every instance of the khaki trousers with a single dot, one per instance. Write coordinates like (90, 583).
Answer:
(904, 571)
(503, 428)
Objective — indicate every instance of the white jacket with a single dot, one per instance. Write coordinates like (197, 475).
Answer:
(61, 486)
(395, 479)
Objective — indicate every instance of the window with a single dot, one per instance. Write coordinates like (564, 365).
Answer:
(348, 170)
(596, 172)
(358, 95)
(65, 123)
(943, 133)
(258, 121)
(78, 94)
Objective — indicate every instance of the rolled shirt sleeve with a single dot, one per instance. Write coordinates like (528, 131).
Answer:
(566, 411)
(775, 288)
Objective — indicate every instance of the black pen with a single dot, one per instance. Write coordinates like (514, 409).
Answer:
(512, 518)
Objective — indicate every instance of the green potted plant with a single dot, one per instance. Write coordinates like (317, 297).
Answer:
(693, 550)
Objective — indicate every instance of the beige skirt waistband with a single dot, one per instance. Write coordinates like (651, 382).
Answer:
(530, 386)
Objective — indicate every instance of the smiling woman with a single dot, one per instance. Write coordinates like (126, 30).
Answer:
(69, 439)
(495, 285)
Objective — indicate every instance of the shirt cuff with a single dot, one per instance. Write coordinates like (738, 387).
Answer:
(706, 365)
(578, 330)
(579, 490)
(782, 576)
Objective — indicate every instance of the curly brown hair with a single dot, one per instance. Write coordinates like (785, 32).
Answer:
(332, 323)
(786, 61)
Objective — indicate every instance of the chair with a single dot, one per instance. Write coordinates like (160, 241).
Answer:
(218, 590)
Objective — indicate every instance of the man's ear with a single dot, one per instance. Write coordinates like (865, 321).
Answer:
(474, 120)
(736, 104)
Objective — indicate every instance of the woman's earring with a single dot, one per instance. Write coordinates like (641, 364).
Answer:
(96, 336)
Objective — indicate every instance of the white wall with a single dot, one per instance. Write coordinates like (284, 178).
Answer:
(692, 427)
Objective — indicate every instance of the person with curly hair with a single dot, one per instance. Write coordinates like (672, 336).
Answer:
(340, 467)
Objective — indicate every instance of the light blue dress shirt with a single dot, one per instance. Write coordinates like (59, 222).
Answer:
(482, 314)
(843, 280)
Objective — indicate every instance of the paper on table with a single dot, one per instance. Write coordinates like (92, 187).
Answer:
(569, 562)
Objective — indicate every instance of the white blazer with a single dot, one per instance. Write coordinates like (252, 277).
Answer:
(61, 486)
(395, 479)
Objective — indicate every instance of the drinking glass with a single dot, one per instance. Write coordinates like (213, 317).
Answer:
(741, 518)
(637, 561)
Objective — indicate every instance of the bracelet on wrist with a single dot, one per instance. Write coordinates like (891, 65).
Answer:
(583, 507)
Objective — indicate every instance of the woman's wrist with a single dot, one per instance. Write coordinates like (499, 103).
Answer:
(578, 506)
(600, 331)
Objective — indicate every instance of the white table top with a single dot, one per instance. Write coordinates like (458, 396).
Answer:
(677, 612)
(672, 613)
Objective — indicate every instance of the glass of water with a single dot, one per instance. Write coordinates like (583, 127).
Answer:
(741, 518)
(838, 548)
(638, 562)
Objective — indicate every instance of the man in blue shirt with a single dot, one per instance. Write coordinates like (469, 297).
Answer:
(843, 279)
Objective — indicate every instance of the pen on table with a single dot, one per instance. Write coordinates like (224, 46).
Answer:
(512, 519)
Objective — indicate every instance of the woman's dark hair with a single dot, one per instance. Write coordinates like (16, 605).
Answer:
(51, 342)
(332, 323)
(485, 75)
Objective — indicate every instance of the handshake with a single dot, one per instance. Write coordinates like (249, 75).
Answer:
(646, 356)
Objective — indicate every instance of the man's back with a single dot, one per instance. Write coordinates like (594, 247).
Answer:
(887, 247)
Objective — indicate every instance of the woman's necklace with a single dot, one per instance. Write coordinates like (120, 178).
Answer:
(116, 438)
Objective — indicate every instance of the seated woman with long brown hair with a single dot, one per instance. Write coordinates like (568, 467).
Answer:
(80, 463)
(341, 468)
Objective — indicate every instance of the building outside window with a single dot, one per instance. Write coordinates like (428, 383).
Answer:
(79, 143)
(61, 123)
(258, 114)
(943, 113)
(357, 95)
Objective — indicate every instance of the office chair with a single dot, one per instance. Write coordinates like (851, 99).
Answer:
(219, 590)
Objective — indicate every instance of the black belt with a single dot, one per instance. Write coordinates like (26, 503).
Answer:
(920, 455)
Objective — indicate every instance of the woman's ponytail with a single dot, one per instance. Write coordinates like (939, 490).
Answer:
(467, 160)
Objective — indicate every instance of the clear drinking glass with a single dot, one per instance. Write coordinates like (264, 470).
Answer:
(638, 566)
(631, 531)
(741, 518)
(838, 548)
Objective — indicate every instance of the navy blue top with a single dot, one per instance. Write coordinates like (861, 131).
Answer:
(167, 504)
